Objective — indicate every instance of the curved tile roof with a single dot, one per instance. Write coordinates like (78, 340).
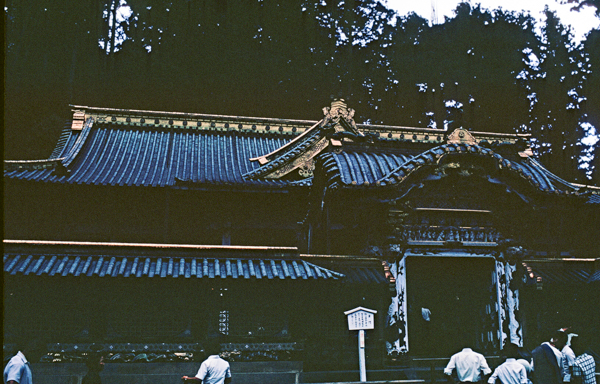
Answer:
(361, 168)
(104, 154)
(564, 271)
(159, 149)
(175, 267)
(381, 169)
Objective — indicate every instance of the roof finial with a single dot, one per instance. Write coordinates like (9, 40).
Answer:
(339, 110)
(339, 103)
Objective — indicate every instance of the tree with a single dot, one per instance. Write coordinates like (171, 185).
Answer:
(589, 101)
(555, 124)
(578, 5)
(478, 69)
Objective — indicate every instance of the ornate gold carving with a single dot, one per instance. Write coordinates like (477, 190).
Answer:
(307, 169)
(339, 116)
(304, 163)
(461, 136)
(339, 110)
(457, 168)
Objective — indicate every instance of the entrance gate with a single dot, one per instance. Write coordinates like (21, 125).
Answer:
(447, 300)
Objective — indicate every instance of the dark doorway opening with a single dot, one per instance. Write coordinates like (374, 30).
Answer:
(458, 294)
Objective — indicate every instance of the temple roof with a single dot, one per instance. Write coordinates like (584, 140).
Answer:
(130, 260)
(119, 147)
(190, 267)
(563, 271)
(387, 169)
(158, 155)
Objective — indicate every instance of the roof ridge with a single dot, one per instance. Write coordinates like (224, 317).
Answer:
(188, 114)
(146, 245)
(551, 175)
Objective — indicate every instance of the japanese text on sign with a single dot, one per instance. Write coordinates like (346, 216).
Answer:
(361, 320)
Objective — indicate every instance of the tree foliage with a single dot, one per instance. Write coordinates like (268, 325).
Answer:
(483, 70)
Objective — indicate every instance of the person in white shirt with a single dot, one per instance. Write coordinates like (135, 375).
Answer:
(469, 366)
(527, 364)
(18, 371)
(213, 370)
(568, 355)
(511, 371)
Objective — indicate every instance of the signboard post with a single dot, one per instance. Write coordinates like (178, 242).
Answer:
(360, 319)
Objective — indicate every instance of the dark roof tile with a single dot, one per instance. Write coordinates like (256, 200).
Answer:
(106, 154)
(176, 267)
(381, 168)
(562, 271)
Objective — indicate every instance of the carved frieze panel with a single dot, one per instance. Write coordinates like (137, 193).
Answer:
(450, 234)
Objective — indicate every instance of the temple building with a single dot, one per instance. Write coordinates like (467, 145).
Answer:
(151, 232)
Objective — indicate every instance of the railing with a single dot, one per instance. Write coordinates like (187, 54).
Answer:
(435, 362)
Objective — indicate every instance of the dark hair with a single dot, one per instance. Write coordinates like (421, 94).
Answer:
(511, 350)
(561, 336)
(212, 347)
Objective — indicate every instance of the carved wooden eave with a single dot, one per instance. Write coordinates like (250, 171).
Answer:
(133, 118)
(461, 136)
(299, 154)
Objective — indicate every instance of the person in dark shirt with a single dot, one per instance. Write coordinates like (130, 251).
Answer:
(548, 360)
(95, 364)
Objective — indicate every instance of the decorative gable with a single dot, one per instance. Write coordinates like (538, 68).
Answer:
(461, 136)
(299, 154)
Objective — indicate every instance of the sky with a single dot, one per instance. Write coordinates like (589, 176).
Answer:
(581, 22)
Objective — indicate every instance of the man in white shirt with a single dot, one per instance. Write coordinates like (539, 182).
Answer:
(469, 366)
(18, 371)
(510, 372)
(213, 370)
(568, 355)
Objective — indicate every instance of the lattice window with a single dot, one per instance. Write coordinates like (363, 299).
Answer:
(240, 323)
(224, 322)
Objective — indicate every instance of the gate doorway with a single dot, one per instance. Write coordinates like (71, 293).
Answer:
(456, 295)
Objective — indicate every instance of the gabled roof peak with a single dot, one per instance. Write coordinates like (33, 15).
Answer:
(340, 117)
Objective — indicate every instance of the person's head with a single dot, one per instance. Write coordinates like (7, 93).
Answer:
(559, 339)
(212, 347)
(511, 350)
